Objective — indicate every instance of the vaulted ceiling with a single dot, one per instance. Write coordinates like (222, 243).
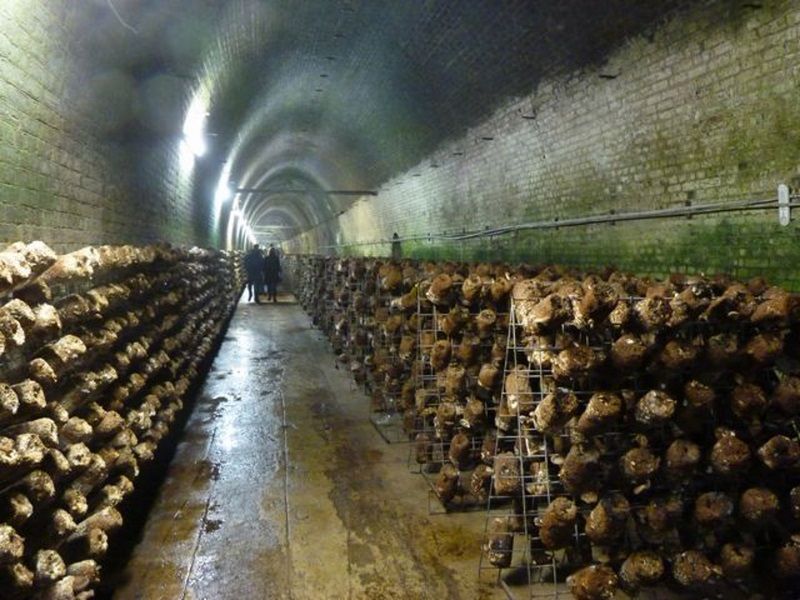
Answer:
(308, 96)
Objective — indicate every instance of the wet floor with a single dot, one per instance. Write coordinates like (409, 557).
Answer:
(281, 488)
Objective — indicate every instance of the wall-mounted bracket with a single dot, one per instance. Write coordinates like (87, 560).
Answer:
(784, 208)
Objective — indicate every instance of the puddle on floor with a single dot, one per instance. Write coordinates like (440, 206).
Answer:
(207, 405)
(211, 525)
(206, 471)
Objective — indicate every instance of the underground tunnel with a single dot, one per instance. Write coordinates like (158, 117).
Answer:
(399, 300)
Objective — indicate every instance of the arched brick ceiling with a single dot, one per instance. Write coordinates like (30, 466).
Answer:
(340, 94)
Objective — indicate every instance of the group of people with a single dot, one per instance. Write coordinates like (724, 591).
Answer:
(262, 270)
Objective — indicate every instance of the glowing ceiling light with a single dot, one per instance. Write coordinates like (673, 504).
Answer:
(186, 156)
(223, 193)
(194, 127)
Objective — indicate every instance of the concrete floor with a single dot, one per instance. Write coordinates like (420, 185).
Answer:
(281, 488)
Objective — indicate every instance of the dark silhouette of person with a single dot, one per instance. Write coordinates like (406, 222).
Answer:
(397, 251)
(272, 273)
(253, 262)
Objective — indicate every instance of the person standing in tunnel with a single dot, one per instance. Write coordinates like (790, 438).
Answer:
(253, 263)
(272, 273)
(397, 251)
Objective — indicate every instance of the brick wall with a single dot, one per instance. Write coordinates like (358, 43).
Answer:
(704, 109)
(61, 179)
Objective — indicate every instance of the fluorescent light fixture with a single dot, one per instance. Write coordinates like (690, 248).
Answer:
(194, 128)
(223, 193)
(185, 156)
(238, 214)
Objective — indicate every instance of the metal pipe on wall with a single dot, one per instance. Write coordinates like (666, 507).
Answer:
(663, 213)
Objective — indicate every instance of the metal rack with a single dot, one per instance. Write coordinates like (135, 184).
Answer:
(385, 379)
(536, 482)
(522, 499)
(438, 439)
(385, 412)
(522, 567)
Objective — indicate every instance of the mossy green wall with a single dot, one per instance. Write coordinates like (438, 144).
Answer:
(705, 109)
(64, 177)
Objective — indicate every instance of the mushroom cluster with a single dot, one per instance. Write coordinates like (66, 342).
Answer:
(660, 445)
(428, 341)
(462, 321)
(642, 431)
(99, 350)
(365, 308)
